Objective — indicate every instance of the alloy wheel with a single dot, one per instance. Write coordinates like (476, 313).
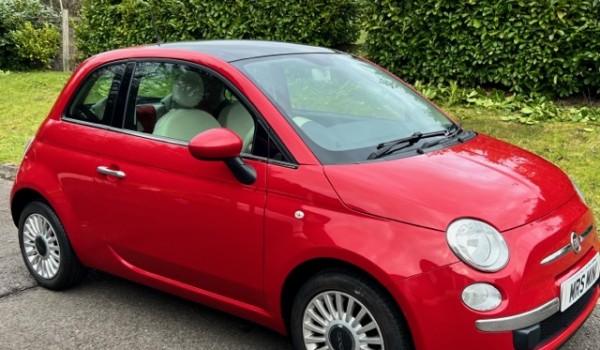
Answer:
(41, 246)
(334, 320)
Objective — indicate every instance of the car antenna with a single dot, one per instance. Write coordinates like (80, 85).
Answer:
(154, 23)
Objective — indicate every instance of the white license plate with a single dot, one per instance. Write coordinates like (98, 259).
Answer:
(576, 286)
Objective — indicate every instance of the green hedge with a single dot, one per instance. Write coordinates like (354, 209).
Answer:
(28, 37)
(106, 24)
(547, 46)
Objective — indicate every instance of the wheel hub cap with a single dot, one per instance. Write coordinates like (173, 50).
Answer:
(341, 338)
(40, 246)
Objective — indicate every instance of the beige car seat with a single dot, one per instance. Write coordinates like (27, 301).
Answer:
(185, 121)
(237, 118)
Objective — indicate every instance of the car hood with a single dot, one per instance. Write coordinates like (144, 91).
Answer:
(483, 178)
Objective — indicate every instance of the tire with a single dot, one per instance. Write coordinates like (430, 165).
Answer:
(314, 318)
(46, 250)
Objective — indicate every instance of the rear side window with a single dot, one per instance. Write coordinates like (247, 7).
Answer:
(94, 102)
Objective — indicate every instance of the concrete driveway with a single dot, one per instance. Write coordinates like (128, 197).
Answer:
(106, 312)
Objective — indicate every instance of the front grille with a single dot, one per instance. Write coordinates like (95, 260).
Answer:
(556, 323)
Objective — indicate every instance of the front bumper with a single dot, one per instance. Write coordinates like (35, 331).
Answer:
(439, 320)
(551, 328)
(529, 316)
(537, 326)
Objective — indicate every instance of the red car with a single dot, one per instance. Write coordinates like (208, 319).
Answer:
(307, 190)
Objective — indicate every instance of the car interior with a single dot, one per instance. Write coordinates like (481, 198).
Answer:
(197, 102)
(184, 120)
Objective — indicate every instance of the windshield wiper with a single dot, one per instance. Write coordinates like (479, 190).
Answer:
(451, 133)
(386, 148)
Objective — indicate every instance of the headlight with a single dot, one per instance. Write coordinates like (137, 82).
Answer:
(578, 191)
(478, 244)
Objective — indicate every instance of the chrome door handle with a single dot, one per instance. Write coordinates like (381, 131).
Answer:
(107, 171)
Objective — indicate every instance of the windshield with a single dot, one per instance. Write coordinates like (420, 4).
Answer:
(342, 107)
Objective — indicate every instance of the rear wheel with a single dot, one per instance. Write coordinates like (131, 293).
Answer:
(46, 249)
(341, 310)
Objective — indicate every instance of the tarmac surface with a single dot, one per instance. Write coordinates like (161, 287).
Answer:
(106, 312)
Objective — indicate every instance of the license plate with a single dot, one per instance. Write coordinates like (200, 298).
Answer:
(576, 286)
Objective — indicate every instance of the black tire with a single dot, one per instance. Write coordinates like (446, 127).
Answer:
(392, 327)
(66, 270)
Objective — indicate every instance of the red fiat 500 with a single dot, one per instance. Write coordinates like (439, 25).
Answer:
(309, 191)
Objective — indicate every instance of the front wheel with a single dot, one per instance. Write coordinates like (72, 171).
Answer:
(46, 249)
(341, 310)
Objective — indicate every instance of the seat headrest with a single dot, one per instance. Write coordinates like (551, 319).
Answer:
(188, 90)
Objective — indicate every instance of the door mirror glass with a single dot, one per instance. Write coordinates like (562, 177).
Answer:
(216, 144)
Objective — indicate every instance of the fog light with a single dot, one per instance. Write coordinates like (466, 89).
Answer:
(481, 297)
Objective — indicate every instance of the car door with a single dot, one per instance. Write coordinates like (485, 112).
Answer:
(167, 215)
(70, 149)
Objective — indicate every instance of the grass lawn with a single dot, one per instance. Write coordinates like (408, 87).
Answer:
(26, 98)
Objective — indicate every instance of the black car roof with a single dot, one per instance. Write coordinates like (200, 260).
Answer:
(234, 50)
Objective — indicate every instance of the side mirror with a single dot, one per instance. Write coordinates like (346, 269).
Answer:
(216, 144)
(223, 144)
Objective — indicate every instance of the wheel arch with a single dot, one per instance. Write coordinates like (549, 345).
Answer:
(26, 192)
(303, 272)
(21, 198)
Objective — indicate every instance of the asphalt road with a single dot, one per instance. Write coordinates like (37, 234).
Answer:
(106, 312)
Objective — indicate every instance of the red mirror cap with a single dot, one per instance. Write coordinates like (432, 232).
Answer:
(216, 144)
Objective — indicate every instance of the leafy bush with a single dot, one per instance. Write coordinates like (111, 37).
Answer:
(107, 24)
(37, 47)
(547, 46)
(26, 20)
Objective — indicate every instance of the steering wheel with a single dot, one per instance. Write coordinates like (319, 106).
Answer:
(85, 113)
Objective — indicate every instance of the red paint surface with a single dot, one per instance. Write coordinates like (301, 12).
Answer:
(215, 144)
(190, 228)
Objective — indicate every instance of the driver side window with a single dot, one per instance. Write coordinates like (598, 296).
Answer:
(96, 96)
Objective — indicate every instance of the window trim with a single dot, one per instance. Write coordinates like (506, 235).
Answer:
(178, 142)
(123, 97)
